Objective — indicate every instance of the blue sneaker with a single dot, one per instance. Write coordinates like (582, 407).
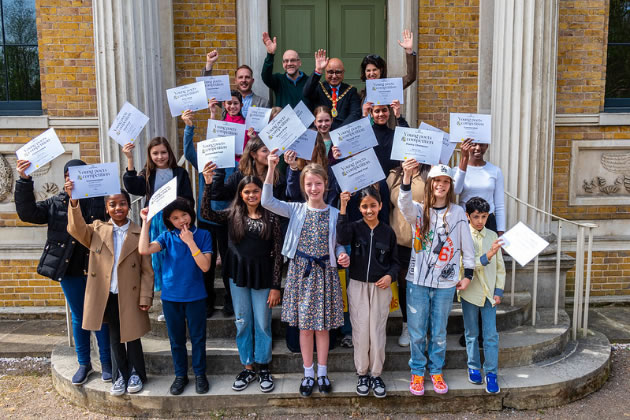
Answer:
(106, 373)
(492, 385)
(474, 377)
(82, 374)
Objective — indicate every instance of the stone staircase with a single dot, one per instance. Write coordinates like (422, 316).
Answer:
(539, 367)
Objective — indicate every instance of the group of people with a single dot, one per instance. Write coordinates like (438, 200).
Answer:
(270, 210)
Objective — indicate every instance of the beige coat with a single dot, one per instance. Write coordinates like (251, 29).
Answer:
(404, 231)
(135, 276)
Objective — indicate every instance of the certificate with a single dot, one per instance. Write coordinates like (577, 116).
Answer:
(471, 126)
(304, 144)
(128, 124)
(98, 180)
(219, 150)
(422, 145)
(358, 171)
(304, 114)
(384, 91)
(192, 96)
(217, 87)
(282, 131)
(522, 243)
(257, 118)
(41, 150)
(354, 138)
(447, 147)
(162, 198)
(218, 128)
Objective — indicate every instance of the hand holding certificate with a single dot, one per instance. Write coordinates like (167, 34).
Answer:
(128, 124)
(471, 126)
(522, 243)
(304, 114)
(447, 147)
(257, 118)
(41, 150)
(422, 145)
(354, 138)
(218, 128)
(192, 96)
(98, 180)
(162, 198)
(384, 91)
(282, 131)
(358, 171)
(217, 87)
(219, 150)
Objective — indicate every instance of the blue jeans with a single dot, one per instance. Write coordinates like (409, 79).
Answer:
(253, 324)
(177, 316)
(74, 289)
(490, 336)
(428, 306)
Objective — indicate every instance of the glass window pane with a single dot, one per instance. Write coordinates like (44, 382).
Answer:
(19, 22)
(23, 73)
(3, 77)
(618, 72)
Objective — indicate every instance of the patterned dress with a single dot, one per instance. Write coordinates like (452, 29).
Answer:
(313, 302)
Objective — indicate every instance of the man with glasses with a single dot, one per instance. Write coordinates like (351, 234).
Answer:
(288, 87)
(342, 99)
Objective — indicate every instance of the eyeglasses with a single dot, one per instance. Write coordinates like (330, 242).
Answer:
(334, 72)
(291, 61)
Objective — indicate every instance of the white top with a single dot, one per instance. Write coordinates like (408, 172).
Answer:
(120, 233)
(486, 182)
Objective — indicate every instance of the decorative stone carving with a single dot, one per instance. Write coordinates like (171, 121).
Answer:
(6, 178)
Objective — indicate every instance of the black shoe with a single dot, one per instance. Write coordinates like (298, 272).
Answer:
(209, 311)
(201, 384)
(228, 309)
(243, 379)
(363, 386)
(265, 380)
(462, 340)
(179, 384)
(306, 386)
(325, 387)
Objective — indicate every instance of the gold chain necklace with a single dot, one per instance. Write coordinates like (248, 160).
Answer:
(333, 111)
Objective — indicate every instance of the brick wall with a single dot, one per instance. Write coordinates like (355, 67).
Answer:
(20, 285)
(610, 274)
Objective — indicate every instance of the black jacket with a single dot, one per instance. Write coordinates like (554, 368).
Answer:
(374, 253)
(225, 190)
(63, 255)
(385, 138)
(136, 184)
(348, 108)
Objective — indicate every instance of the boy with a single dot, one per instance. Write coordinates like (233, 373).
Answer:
(482, 295)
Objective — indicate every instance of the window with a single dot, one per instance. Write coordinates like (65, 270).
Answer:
(618, 63)
(20, 92)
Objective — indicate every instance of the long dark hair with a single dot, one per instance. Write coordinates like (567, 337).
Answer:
(377, 61)
(237, 213)
(247, 164)
(150, 167)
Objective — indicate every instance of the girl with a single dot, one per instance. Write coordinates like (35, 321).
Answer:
(253, 264)
(188, 252)
(384, 135)
(323, 122)
(232, 114)
(374, 267)
(119, 289)
(441, 239)
(312, 294)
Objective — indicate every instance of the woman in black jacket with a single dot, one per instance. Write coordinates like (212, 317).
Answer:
(65, 260)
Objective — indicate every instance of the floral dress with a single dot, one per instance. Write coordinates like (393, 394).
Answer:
(312, 295)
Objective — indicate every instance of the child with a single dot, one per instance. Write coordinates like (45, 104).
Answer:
(187, 256)
(374, 267)
(253, 264)
(323, 122)
(441, 237)
(119, 289)
(312, 295)
(482, 296)
(232, 114)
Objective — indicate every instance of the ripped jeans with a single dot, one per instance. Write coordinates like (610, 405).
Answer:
(428, 307)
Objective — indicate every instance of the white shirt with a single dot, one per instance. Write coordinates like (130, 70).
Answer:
(486, 182)
(119, 233)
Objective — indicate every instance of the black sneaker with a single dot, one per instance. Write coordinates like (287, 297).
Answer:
(378, 386)
(82, 374)
(243, 379)
(178, 385)
(325, 387)
(363, 386)
(201, 384)
(306, 386)
(265, 380)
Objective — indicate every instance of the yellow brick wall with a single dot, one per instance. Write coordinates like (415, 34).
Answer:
(20, 285)
(610, 275)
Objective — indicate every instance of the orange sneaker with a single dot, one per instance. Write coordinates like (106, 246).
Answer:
(439, 385)
(416, 387)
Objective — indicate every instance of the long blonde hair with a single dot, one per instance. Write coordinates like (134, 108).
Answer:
(429, 202)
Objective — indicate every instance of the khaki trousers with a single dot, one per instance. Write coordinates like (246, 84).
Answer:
(369, 308)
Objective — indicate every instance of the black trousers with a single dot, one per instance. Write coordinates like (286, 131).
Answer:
(404, 255)
(220, 243)
(126, 357)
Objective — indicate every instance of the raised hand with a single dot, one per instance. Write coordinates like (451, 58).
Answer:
(187, 237)
(408, 167)
(22, 166)
(68, 186)
(367, 108)
(211, 58)
(344, 197)
(466, 147)
(208, 172)
(336, 152)
(270, 44)
(144, 213)
(321, 61)
(496, 246)
(407, 42)
(187, 117)
(272, 159)
(396, 107)
(290, 157)
(128, 150)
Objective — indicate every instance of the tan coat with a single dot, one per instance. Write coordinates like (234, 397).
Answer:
(404, 231)
(135, 276)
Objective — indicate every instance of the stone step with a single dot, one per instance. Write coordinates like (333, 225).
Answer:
(508, 317)
(580, 370)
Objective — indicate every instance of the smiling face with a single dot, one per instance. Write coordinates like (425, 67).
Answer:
(380, 114)
(478, 220)
(251, 195)
(323, 121)
(117, 208)
(478, 150)
(314, 187)
(369, 208)
(233, 106)
(179, 219)
(334, 71)
(291, 62)
(159, 156)
(244, 81)
(372, 72)
(260, 155)
(441, 185)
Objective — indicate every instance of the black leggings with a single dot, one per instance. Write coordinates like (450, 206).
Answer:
(404, 255)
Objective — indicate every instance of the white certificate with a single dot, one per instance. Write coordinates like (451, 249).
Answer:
(192, 96)
(358, 171)
(447, 147)
(522, 243)
(217, 87)
(128, 124)
(98, 180)
(257, 118)
(162, 198)
(384, 91)
(354, 137)
(471, 126)
(304, 114)
(219, 150)
(41, 150)
(304, 144)
(422, 145)
(218, 128)
(282, 131)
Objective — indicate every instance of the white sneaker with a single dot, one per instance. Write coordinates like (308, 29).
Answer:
(135, 384)
(119, 387)
(403, 340)
(161, 318)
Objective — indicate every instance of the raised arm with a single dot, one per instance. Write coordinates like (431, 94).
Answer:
(28, 210)
(220, 217)
(189, 145)
(267, 200)
(77, 227)
(144, 247)
(410, 58)
(405, 200)
(146, 283)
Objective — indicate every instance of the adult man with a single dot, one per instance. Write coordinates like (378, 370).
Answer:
(288, 87)
(341, 98)
(244, 82)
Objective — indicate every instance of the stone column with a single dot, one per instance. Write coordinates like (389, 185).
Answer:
(134, 62)
(523, 104)
(252, 17)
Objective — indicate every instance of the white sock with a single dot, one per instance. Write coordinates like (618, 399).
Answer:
(309, 372)
(322, 370)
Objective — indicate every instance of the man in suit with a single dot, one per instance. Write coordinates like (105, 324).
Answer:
(341, 98)
(287, 87)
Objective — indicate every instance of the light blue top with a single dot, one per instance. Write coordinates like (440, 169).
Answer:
(247, 102)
